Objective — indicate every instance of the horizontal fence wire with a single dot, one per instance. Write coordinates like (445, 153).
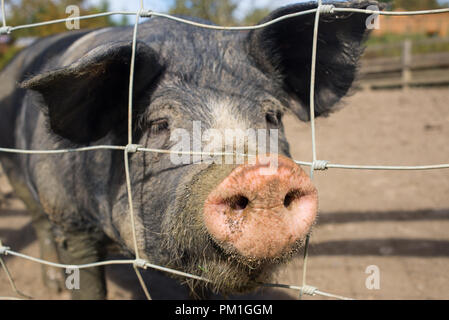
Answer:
(150, 13)
(144, 265)
(132, 148)
(318, 165)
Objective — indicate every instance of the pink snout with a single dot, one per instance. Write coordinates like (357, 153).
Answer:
(262, 215)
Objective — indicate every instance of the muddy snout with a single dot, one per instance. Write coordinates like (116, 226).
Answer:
(261, 214)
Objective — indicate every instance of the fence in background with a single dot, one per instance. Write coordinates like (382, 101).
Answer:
(132, 148)
(401, 68)
(426, 25)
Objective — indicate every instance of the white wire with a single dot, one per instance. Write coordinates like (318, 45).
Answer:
(155, 267)
(304, 163)
(3, 14)
(233, 28)
(61, 151)
(392, 13)
(90, 16)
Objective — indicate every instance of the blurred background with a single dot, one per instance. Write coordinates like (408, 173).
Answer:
(398, 115)
(404, 51)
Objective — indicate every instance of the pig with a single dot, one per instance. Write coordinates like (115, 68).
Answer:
(228, 223)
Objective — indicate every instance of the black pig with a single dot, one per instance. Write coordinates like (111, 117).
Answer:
(228, 223)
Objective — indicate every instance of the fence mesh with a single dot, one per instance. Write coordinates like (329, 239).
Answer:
(131, 148)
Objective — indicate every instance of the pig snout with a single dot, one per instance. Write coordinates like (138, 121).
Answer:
(261, 215)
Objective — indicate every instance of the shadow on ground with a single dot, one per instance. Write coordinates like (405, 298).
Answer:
(162, 287)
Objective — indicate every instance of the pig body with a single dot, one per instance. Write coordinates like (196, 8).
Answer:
(74, 91)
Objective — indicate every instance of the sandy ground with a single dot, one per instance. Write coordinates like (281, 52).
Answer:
(397, 221)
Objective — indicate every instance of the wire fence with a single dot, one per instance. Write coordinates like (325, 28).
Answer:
(131, 148)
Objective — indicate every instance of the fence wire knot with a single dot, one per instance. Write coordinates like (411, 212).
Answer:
(310, 290)
(132, 148)
(327, 8)
(3, 250)
(146, 13)
(140, 263)
(320, 165)
(5, 30)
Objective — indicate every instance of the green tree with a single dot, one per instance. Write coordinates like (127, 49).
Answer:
(220, 12)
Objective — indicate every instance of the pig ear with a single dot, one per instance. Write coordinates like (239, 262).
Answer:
(286, 48)
(88, 98)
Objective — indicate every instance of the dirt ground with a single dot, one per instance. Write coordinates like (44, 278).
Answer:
(397, 221)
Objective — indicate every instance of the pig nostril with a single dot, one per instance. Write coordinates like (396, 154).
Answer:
(291, 197)
(238, 202)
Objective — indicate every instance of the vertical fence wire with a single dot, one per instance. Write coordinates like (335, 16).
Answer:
(3, 14)
(133, 149)
(312, 126)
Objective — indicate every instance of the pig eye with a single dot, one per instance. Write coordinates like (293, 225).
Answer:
(273, 118)
(158, 126)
